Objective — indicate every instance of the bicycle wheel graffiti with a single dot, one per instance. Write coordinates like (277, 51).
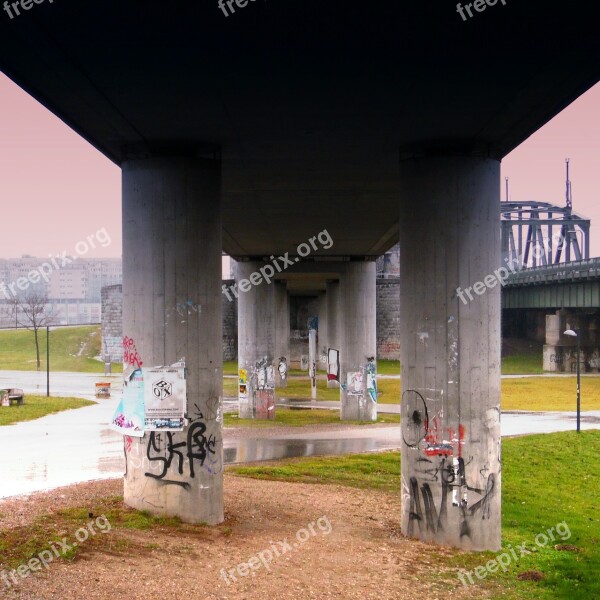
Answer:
(415, 420)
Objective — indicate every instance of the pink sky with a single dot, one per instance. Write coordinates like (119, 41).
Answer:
(56, 189)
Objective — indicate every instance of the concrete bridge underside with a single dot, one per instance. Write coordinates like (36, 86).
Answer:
(254, 132)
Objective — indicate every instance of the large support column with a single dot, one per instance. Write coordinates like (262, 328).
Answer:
(450, 350)
(172, 312)
(334, 309)
(322, 333)
(256, 344)
(359, 342)
(282, 333)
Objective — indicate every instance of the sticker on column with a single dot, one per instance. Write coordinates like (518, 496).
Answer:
(282, 368)
(355, 383)
(129, 416)
(264, 395)
(372, 378)
(333, 365)
(243, 373)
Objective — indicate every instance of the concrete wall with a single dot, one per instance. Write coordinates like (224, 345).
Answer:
(230, 327)
(112, 322)
(301, 308)
(560, 351)
(388, 319)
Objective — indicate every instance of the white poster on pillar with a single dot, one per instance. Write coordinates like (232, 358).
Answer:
(164, 398)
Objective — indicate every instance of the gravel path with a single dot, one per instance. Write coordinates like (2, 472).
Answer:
(355, 552)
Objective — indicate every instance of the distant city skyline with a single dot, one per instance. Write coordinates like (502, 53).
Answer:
(57, 190)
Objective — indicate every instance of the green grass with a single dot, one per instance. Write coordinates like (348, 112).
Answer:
(298, 417)
(379, 471)
(522, 364)
(388, 367)
(17, 350)
(300, 388)
(547, 480)
(230, 367)
(38, 406)
(528, 393)
(550, 393)
(230, 387)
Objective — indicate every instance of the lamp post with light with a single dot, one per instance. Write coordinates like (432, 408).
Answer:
(577, 334)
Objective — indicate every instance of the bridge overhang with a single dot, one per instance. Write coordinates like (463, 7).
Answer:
(310, 104)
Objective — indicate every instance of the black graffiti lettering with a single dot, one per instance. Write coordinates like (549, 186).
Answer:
(198, 445)
(415, 513)
(431, 515)
(155, 443)
(485, 503)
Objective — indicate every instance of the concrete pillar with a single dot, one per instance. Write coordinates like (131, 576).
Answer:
(323, 342)
(256, 344)
(359, 341)
(332, 297)
(313, 360)
(282, 333)
(450, 350)
(172, 312)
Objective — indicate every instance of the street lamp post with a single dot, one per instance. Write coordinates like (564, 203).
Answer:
(577, 334)
(47, 361)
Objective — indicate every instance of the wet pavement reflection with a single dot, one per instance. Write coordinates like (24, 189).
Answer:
(77, 446)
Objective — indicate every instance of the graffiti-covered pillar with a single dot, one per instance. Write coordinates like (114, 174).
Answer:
(172, 313)
(358, 383)
(450, 268)
(282, 333)
(332, 298)
(323, 342)
(256, 343)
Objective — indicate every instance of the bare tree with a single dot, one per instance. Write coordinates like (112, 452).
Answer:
(33, 316)
(10, 311)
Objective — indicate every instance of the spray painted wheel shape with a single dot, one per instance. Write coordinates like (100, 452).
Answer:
(415, 419)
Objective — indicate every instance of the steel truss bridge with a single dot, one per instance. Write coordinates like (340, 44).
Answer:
(538, 234)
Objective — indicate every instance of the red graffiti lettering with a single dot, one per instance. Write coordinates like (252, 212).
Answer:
(131, 356)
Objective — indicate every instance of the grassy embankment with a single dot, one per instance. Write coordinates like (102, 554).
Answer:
(71, 349)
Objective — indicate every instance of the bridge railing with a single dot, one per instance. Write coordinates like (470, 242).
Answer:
(572, 271)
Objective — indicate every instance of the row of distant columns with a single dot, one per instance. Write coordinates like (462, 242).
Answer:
(346, 322)
(450, 351)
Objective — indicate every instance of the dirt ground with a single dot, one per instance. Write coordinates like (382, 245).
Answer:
(353, 550)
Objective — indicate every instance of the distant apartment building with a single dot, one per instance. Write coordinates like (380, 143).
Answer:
(73, 290)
